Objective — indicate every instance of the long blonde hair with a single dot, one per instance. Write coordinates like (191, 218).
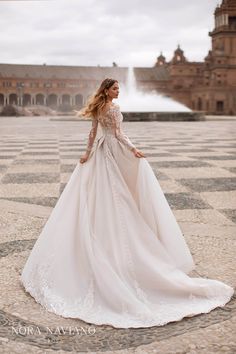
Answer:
(97, 101)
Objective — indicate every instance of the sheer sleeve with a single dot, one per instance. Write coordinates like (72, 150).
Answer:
(119, 134)
(92, 135)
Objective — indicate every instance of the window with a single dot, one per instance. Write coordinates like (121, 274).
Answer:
(6, 84)
(34, 84)
(47, 84)
(199, 104)
(220, 106)
(61, 84)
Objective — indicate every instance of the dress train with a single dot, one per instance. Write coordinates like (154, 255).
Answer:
(111, 251)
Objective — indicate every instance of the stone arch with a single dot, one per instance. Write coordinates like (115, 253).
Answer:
(40, 99)
(79, 100)
(65, 99)
(52, 99)
(1, 99)
(13, 98)
(26, 99)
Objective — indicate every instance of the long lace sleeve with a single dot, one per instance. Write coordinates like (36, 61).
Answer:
(119, 134)
(92, 135)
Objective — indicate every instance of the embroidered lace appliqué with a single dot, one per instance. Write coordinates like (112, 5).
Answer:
(92, 135)
(166, 310)
(39, 283)
(110, 122)
(117, 118)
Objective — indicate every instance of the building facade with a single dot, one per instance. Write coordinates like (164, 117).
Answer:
(208, 86)
(59, 87)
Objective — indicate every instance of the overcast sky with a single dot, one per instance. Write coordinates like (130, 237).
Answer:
(98, 32)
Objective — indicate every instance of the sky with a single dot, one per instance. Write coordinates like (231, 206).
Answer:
(100, 32)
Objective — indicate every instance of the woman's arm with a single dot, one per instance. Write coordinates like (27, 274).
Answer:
(92, 135)
(119, 134)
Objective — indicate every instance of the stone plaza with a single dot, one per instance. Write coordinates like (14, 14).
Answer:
(195, 164)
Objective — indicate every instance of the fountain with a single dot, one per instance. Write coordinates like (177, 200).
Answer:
(138, 105)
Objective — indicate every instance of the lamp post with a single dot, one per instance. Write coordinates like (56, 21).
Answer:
(47, 85)
(20, 86)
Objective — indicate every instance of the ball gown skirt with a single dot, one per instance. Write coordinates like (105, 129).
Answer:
(112, 252)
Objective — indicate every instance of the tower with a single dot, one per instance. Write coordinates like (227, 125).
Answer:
(178, 56)
(220, 73)
(161, 60)
(224, 33)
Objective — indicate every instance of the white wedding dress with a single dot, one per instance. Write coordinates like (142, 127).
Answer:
(111, 251)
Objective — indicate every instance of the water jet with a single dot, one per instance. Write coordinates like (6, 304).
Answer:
(151, 106)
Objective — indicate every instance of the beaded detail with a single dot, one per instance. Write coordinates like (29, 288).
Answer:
(110, 122)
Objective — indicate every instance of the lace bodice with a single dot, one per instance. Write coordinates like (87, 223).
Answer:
(110, 121)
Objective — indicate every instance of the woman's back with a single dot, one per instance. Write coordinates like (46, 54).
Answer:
(110, 120)
(109, 117)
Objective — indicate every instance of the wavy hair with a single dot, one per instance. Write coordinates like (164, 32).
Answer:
(97, 101)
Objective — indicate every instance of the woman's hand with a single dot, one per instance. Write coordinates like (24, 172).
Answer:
(138, 153)
(84, 158)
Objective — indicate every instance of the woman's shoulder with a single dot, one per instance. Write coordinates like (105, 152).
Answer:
(110, 107)
(113, 105)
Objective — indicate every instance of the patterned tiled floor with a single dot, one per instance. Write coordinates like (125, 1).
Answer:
(195, 163)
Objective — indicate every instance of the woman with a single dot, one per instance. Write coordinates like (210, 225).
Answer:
(111, 251)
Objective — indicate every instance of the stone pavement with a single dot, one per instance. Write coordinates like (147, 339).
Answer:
(195, 163)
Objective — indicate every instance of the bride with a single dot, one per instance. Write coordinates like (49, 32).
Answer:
(111, 251)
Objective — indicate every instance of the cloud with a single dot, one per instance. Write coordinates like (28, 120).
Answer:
(90, 32)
